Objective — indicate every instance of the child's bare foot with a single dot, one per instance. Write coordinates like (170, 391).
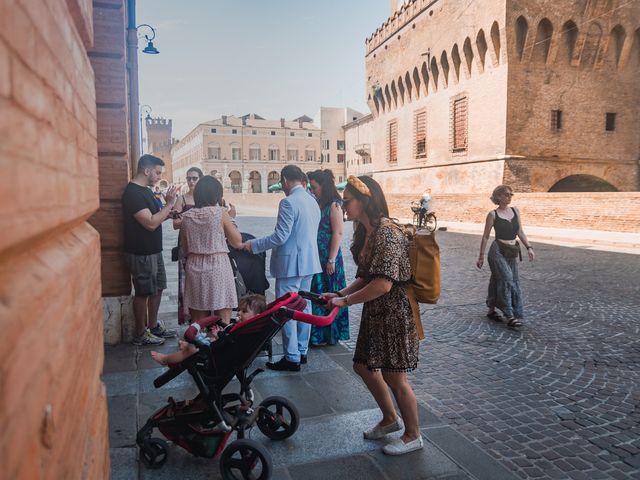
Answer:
(159, 357)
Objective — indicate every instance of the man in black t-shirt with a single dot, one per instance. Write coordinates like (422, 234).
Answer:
(143, 248)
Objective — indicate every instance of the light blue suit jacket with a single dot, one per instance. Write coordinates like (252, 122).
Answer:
(294, 241)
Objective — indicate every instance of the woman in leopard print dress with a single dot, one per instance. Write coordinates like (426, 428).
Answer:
(387, 346)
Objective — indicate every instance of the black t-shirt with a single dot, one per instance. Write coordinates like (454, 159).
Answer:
(137, 239)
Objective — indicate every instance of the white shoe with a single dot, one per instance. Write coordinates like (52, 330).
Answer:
(378, 432)
(398, 447)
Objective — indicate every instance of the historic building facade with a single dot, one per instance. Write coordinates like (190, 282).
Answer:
(542, 95)
(247, 153)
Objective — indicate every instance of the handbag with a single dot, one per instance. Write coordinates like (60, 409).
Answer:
(424, 255)
(241, 288)
(510, 251)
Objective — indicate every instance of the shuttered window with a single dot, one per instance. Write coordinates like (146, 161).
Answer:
(420, 134)
(460, 139)
(392, 141)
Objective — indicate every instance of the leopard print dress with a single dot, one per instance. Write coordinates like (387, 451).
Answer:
(387, 340)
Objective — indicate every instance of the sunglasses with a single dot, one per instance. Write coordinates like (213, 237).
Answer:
(193, 179)
(507, 194)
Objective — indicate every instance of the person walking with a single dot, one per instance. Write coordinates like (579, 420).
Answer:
(210, 287)
(387, 345)
(143, 219)
(504, 285)
(294, 259)
(332, 277)
(183, 204)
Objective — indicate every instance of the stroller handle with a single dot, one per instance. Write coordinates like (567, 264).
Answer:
(318, 320)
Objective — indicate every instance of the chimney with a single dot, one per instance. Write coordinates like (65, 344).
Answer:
(224, 119)
(244, 121)
(299, 123)
(282, 123)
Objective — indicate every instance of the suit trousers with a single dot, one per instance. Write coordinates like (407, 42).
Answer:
(295, 335)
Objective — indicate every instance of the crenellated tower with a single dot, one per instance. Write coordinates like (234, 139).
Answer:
(159, 142)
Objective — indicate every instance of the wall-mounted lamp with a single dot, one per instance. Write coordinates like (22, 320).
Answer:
(150, 49)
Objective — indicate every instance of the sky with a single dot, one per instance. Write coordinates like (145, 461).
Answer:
(276, 58)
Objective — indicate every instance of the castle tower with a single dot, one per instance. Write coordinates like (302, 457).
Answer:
(159, 142)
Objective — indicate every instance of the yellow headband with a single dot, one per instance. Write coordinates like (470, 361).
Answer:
(359, 185)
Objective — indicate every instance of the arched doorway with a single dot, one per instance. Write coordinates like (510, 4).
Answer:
(582, 183)
(236, 181)
(273, 178)
(255, 180)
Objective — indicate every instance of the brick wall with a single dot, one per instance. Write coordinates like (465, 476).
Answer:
(108, 58)
(52, 403)
(615, 212)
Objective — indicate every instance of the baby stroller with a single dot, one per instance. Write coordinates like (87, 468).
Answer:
(202, 426)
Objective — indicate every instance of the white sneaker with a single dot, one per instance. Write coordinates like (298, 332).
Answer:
(147, 338)
(377, 432)
(398, 447)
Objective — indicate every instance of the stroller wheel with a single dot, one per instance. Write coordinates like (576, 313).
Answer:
(245, 459)
(154, 452)
(278, 418)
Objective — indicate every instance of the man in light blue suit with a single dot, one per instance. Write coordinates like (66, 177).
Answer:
(294, 259)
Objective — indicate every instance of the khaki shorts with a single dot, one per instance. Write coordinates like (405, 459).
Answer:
(147, 273)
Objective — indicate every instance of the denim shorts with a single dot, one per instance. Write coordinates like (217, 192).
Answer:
(147, 273)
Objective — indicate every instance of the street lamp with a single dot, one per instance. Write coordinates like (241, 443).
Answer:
(144, 109)
(150, 49)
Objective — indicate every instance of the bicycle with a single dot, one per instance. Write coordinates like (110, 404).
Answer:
(423, 219)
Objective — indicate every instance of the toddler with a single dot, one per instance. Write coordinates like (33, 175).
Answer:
(248, 306)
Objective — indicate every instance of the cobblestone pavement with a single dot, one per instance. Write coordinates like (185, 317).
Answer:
(558, 398)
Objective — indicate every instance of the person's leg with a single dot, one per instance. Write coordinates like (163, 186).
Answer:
(158, 283)
(304, 329)
(380, 392)
(153, 305)
(140, 313)
(406, 400)
(289, 329)
(198, 314)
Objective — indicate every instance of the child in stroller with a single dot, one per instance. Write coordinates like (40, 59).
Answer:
(248, 306)
(202, 426)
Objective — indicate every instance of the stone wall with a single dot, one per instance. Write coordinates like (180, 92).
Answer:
(53, 414)
(615, 212)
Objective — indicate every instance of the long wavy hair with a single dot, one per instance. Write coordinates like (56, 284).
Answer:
(376, 209)
(325, 179)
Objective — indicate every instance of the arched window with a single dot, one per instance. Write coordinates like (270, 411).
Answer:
(468, 54)
(435, 73)
(425, 78)
(445, 68)
(569, 35)
(616, 41)
(213, 151)
(401, 90)
(522, 27)
(591, 45)
(543, 42)
(481, 44)
(387, 97)
(254, 152)
(416, 81)
(495, 41)
(274, 153)
(407, 82)
(292, 153)
(455, 56)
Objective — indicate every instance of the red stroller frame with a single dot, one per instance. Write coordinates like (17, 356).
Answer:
(202, 426)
